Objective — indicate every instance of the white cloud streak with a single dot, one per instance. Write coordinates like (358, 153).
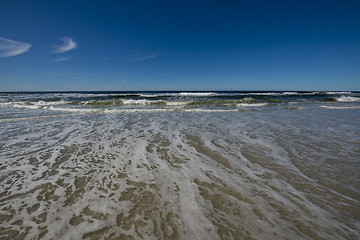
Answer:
(63, 59)
(144, 57)
(68, 45)
(10, 48)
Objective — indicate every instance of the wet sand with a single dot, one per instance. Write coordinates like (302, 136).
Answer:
(247, 175)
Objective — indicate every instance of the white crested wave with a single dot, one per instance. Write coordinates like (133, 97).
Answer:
(6, 104)
(78, 110)
(251, 104)
(139, 110)
(299, 93)
(291, 93)
(35, 105)
(51, 103)
(198, 94)
(89, 95)
(176, 103)
(150, 95)
(122, 110)
(248, 99)
(19, 105)
(348, 99)
(340, 107)
(141, 102)
(332, 93)
(265, 93)
(171, 101)
(136, 102)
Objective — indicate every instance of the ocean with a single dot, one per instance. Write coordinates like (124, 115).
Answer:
(180, 165)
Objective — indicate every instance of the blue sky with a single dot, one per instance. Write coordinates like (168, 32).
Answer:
(179, 45)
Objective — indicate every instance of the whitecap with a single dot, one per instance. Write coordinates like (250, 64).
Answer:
(340, 107)
(176, 103)
(251, 104)
(332, 93)
(198, 94)
(348, 99)
(141, 102)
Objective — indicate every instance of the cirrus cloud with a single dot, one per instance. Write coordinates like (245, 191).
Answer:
(63, 59)
(10, 48)
(140, 57)
(68, 45)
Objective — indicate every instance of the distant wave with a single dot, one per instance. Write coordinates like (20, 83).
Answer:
(348, 99)
(143, 102)
(251, 104)
(332, 93)
(265, 93)
(340, 107)
(198, 94)
(173, 101)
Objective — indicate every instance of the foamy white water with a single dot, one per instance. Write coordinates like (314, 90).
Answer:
(272, 172)
(348, 99)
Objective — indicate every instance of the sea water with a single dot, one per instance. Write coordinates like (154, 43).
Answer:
(180, 165)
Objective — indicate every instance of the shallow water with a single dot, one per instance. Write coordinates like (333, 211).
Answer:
(274, 173)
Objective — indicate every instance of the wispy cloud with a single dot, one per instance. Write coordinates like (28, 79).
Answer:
(9, 48)
(144, 57)
(68, 45)
(62, 59)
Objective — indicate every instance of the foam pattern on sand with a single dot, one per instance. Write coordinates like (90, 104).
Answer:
(180, 175)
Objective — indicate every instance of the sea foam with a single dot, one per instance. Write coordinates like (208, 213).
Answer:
(200, 173)
(348, 99)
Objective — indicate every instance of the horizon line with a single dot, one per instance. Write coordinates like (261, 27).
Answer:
(79, 91)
